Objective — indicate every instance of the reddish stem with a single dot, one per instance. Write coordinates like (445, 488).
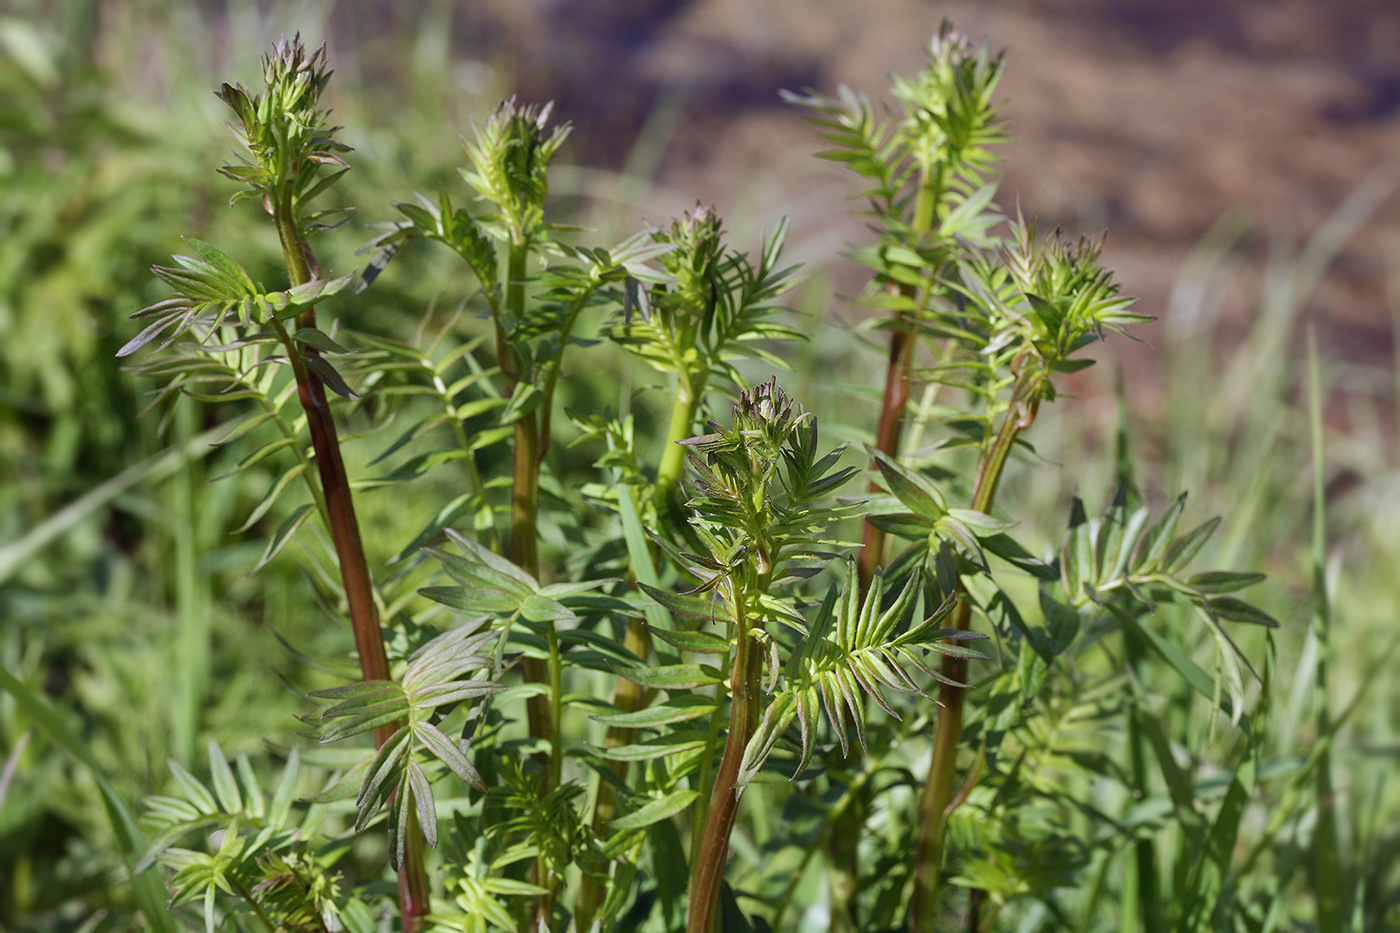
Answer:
(707, 872)
(887, 437)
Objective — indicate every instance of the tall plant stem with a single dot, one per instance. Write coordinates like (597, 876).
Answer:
(672, 465)
(708, 863)
(628, 696)
(542, 712)
(932, 184)
(1328, 861)
(414, 900)
(872, 544)
(938, 802)
(523, 549)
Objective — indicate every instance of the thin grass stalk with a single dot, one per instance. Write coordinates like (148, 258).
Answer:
(1142, 900)
(938, 801)
(1146, 913)
(628, 696)
(192, 641)
(1327, 856)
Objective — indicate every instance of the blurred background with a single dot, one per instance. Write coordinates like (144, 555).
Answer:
(1242, 158)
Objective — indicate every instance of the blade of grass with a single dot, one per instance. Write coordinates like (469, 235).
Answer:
(147, 887)
(193, 635)
(1330, 890)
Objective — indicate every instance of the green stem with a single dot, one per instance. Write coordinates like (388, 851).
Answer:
(247, 897)
(541, 711)
(551, 378)
(672, 465)
(193, 639)
(525, 496)
(629, 696)
(938, 801)
(459, 432)
(1328, 862)
(932, 184)
(556, 705)
(1148, 914)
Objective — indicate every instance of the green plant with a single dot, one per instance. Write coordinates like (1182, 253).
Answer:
(1059, 688)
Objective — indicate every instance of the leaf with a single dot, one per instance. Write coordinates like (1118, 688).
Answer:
(655, 810)
(252, 802)
(382, 776)
(903, 524)
(1222, 581)
(676, 709)
(686, 607)
(1199, 680)
(318, 340)
(486, 558)
(329, 375)
(447, 751)
(304, 295)
(1237, 610)
(694, 642)
(284, 533)
(194, 792)
(980, 522)
(256, 456)
(537, 608)
(781, 711)
(1152, 548)
(220, 264)
(472, 600)
(280, 806)
(918, 495)
(449, 655)
(661, 747)
(671, 676)
(370, 704)
(177, 313)
(225, 786)
(1183, 549)
(278, 486)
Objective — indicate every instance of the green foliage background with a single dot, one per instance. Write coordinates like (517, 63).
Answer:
(124, 597)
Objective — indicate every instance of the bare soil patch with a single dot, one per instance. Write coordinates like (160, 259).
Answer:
(1150, 120)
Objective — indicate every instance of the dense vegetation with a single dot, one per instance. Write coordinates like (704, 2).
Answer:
(639, 646)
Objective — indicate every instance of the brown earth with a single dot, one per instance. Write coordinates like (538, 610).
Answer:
(1152, 120)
